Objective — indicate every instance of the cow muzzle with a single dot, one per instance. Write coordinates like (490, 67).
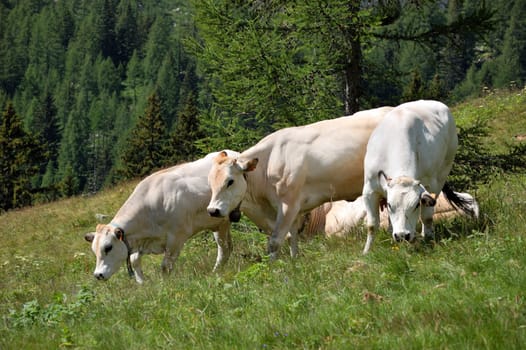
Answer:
(215, 212)
(100, 276)
(403, 236)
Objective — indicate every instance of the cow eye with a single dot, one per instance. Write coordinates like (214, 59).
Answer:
(108, 249)
(230, 183)
(417, 205)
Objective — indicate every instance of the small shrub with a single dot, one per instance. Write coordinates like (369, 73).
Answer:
(32, 313)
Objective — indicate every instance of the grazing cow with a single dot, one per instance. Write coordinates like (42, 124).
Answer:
(338, 219)
(409, 156)
(165, 209)
(292, 171)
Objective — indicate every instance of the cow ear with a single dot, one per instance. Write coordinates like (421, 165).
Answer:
(119, 233)
(220, 156)
(248, 165)
(427, 199)
(89, 237)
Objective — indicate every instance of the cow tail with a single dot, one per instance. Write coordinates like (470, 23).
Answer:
(459, 203)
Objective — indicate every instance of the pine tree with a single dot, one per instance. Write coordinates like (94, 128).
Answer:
(63, 22)
(74, 155)
(415, 89)
(156, 47)
(134, 77)
(106, 22)
(511, 68)
(20, 156)
(108, 80)
(146, 148)
(263, 70)
(436, 89)
(101, 144)
(459, 49)
(126, 31)
(168, 86)
(186, 132)
(48, 130)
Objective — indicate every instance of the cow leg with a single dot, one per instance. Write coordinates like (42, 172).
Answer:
(286, 216)
(224, 245)
(174, 245)
(372, 204)
(135, 260)
(426, 215)
(293, 237)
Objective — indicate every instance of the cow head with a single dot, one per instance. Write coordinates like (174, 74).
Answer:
(110, 249)
(405, 195)
(228, 183)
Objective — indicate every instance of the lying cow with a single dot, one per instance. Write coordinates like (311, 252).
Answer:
(338, 219)
(292, 171)
(408, 159)
(163, 212)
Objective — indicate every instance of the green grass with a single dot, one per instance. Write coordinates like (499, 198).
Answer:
(504, 112)
(466, 292)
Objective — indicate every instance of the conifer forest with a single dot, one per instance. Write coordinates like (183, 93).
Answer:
(95, 92)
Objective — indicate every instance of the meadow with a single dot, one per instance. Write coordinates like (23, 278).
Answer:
(467, 291)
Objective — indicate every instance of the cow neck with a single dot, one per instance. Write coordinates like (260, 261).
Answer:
(123, 238)
(235, 215)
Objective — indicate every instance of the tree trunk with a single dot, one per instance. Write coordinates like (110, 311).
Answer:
(353, 69)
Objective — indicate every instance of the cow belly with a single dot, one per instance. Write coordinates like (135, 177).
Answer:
(349, 189)
(152, 246)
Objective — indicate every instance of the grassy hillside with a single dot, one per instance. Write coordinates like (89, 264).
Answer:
(466, 292)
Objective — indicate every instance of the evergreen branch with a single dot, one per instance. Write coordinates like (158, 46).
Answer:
(479, 23)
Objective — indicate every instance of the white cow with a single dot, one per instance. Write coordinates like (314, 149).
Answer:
(408, 159)
(292, 171)
(339, 218)
(163, 212)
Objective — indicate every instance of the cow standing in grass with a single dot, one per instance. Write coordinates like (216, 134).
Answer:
(163, 212)
(292, 171)
(409, 156)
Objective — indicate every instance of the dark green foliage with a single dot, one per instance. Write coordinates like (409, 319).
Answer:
(20, 157)
(46, 315)
(157, 47)
(437, 89)
(499, 61)
(127, 31)
(105, 13)
(146, 149)
(187, 131)
(75, 143)
(90, 58)
(168, 88)
(415, 89)
(260, 73)
(234, 70)
(47, 129)
(512, 63)
(475, 164)
(418, 88)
